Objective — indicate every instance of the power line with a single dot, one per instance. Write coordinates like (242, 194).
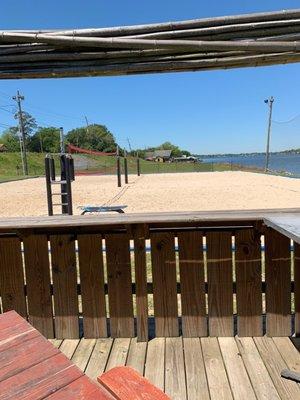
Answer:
(43, 111)
(288, 121)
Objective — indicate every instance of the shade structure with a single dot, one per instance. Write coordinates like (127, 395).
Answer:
(248, 40)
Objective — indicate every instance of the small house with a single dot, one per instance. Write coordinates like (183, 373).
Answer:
(158, 155)
(3, 148)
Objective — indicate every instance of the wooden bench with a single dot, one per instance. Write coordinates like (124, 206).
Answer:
(32, 368)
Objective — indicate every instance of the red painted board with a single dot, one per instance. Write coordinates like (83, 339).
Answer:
(81, 389)
(40, 380)
(11, 318)
(125, 383)
(14, 336)
(17, 359)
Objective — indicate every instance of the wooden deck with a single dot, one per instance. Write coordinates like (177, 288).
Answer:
(193, 368)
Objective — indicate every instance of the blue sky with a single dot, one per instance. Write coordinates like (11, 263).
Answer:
(204, 112)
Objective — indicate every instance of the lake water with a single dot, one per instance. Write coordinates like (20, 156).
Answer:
(289, 163)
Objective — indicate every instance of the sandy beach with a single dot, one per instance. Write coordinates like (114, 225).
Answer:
(159, 192)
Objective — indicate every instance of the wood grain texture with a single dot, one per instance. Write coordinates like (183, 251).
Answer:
(195, 369)
(164, 284)
(12, 276)
(248, 282)
(190, 218)
(83, 353)
(218, 384)
(220, 283)
(288, 224)
(256, 369)
(137, 355)
(275, 364)
(82, 389)
(92, 286)
(40, 380)
(24, 356)
(65, 286)
(191, 266)
(140, 263)
(155, 362)
(278, 283)
(288, 352)
(238, 378)
(297, 287)
(99, 357)
(118, 354)
(37, 269)
(119, 285)
(175, 381)
(125, 383)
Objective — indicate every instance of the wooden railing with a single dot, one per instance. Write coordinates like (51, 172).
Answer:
(198, 274)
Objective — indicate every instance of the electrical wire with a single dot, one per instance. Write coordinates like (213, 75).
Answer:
(288, 121)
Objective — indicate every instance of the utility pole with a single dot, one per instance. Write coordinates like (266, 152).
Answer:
(61, 140)
(87, 124)
(129, 145)
(270, 102)
(18, 98)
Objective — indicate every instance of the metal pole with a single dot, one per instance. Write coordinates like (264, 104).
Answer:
(48, 160)
(270, 102)
(138, 165)
(18, 99)
(61, 140)
(68, 161)
(118, 168)
(125, 167)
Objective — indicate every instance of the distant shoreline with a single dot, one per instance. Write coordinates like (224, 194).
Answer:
(287, 152)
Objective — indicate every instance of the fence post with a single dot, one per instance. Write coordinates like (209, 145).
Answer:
(138, 165)
(119, 171)
(125, 167)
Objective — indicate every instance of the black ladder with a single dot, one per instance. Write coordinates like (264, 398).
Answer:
(66, 178)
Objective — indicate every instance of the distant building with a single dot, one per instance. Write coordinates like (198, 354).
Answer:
(3, 148)
(158, 155)
(187, 159)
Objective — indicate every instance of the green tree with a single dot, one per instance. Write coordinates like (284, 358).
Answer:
(10, 138)
(29, 123)
(45, 140)
(95, 137)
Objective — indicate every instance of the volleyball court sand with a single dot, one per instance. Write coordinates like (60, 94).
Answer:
(160, 192)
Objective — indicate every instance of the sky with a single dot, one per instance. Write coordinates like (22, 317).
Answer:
(203, 112)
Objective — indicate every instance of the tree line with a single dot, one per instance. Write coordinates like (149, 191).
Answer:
(41, 139)
(96, 137)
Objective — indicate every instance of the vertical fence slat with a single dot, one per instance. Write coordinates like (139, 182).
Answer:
(12, 276)
(37, 269)
(278, 283)
(92, 286)
(119, 285)
(141, 282)
(297, 287)
(65, 286)
(220, 283)
(191, 265)
(164, 284)
(248, 282)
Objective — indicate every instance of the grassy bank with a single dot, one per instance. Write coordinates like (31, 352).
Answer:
(11, 166)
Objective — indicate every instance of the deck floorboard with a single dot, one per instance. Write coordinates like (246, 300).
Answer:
(207, 368)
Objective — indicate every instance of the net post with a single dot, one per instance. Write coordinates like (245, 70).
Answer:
(138, 167)
(125, 167)
(48, 184)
